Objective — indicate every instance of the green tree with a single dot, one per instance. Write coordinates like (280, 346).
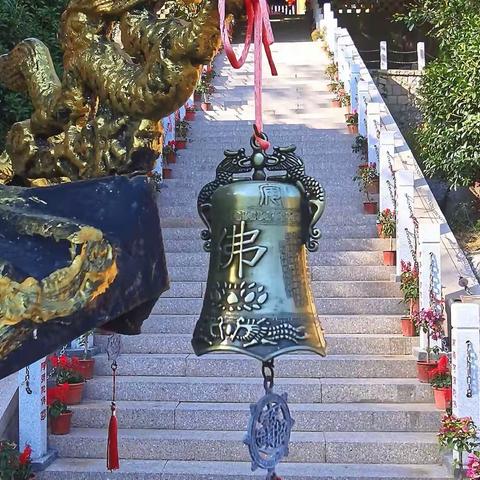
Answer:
(20, 19)
(449, 137)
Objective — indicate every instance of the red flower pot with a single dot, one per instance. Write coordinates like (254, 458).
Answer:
(374, 187)
(443, 397)
(190, 116)
(414, 306)
(197, 97)
(424, 369)
(408, 327)
(86, 368)
(336, 104)
(363, 165)
(167, 173)
(61, 425)
(353, 129)
(206, 106)
(181, 144)
(74, 393)
(171, 157)
(389, 258)
(370, 208)
(380, 230)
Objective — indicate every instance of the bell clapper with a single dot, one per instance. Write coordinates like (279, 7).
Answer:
(270, 425)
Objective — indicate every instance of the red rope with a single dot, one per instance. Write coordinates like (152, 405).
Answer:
(258, 24)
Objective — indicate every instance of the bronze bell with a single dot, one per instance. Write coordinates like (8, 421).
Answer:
(258, 299)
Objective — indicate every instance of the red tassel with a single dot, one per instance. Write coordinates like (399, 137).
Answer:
(113, 462)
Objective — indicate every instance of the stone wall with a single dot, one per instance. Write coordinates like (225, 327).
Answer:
(399, 89)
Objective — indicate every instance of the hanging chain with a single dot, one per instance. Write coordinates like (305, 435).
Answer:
(27, 380)
(392, 192)
(377, 128)
(268, 376)
(469, 369)
(377, 153)
(413, 245)
(412, 248)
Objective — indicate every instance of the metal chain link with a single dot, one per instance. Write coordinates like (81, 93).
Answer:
(413, 250)
(268, 374)
(393, 191)
(27, 380)
(469, 369)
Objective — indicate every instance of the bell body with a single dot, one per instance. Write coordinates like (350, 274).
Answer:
(258, 299)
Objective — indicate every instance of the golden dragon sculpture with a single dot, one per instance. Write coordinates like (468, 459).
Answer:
(127, 64)
(64, 244)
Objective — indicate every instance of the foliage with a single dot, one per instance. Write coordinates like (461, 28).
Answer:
(170, 147)
(387, 220)
(205, 87)
(440, 377)
(66, 369)
(20, 19)
(409, 284)
(56, 400)
(366, 175)
(430, 320)
(182, 128)
(360, 146)
(318, 34)
(450, 91)
(332, 71)
(13, 464)
(473, 466)
(352, 118)
(457, 433)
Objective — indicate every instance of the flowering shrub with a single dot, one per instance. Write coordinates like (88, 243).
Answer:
(332, 71)
(387, 220)
(457, 433)
(365, 176)
(440, 377)
(430, 321)
(66, 369)
(360, 146)
(170, 147)
(13, 464)
(473, 466)
(56, 400)
(352, 118)
(409, 282)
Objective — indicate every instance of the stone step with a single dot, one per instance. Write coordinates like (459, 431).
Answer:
(243, 390)
(337, 344)
(173, 246)
(287, 366)
(92, 469)
(320, 273)
(307, 447)
(333, 417)
(351, 324)
(201, 258)
(325, 306)
(320, 289)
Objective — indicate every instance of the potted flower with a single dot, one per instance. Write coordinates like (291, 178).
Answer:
(86, 363)
(190, 111)
(360, 147)
(352, 122)
(59, 415)
(430, 321)
(169, 152)
(473, 465)
(441, 382)
(334, 86)
(366, 178)
(15, 465)
(67, 372)
(205, 89)
(409, 286)
(408, 326)
(181, 134)
(332, 71)
(386, 227)
(459, 434)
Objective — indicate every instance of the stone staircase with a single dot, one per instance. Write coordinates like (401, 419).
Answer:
(360, 412)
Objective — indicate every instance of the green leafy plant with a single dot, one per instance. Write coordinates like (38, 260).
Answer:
(440, 377)
(21, 19)
(360, 147)
(365, 177)
(181, 129)
(352, 118)
(409, 284)
(388, 221)
(449, 95)
(14, 465)
(56, 400)
(332, 71)
(66, 369)
(318, 34)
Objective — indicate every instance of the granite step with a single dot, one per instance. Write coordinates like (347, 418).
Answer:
(94, 469)
(228, 389)
(305, 447)
(337, 344)
(309, 417)
(287, 366)
(333, 324)
(325, 306)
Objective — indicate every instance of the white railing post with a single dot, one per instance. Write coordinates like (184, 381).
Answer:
(347, 69)
(354, 81)
(363, 99)
(421, 56)
(465, 356)
(383, 56)
(387, 184)
(32, 410)
(373, 131)
(429, 251)
(331, 34)
(405, 199)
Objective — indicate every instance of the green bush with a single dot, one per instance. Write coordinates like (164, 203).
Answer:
(449, 138)
(20, 19)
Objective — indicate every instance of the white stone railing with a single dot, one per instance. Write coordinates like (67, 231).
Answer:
(419, 218)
